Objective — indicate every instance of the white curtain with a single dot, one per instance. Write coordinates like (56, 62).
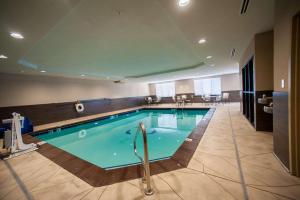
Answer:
(165, 89)
(211, 86)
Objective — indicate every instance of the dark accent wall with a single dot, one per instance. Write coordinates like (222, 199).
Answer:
(281, 126)
(234, 95)
(54, 112)
(263, 120)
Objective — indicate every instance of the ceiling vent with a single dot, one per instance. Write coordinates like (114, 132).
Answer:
(244, 6)
(121, 81)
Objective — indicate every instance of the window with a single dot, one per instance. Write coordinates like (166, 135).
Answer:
(165, 89)
(211, 86)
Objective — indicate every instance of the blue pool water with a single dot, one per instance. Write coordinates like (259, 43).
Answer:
(108, 143)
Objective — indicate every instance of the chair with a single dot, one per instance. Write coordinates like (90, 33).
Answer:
(206, 98)
(185, 99)
(192, 99)
(179, 100)
(225, 97)
(218, 99)
(148, 100)
(174, 99)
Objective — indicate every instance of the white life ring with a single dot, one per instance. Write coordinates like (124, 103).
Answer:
(82, 133)
(79, 107)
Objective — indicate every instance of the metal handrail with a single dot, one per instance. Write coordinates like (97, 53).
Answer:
(145, 162)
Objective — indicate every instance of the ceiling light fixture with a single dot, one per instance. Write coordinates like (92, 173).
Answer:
(183, 3)
(3, 56)
(202, 41)
(42, 71)
(16, 35)
(208, 57)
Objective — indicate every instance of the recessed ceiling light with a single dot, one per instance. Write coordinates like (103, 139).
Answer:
(201, 41)
(3, 56)
(82, 75)
(42, 71)
(16, 35)
(208, 57)
(183, 3)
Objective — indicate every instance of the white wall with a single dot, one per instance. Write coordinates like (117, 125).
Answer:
(28, 90)
(229, 82)
(184, 86)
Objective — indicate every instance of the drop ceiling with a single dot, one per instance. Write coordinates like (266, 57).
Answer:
(128, 39)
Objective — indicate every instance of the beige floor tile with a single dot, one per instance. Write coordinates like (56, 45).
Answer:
(196, 165)
(122, 190)
(292, 192)
(217, 165)
(266, 160)
(90, 194)
(62, 177)
(195, 186)
(17, 194)
(255, 194)
(269, 177)
(232, 187)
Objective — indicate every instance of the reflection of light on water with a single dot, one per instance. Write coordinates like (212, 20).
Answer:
(159, 138)
(177, 140)
(199, 118)
(96, 123)
(115, 154)
(167, 121)
(82, 133)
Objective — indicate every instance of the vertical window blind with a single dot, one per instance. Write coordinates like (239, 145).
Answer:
(211, 86)
(165, 89)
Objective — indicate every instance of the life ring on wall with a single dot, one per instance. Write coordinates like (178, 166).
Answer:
(79, 107)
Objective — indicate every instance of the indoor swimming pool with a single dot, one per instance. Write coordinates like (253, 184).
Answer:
(108, 143)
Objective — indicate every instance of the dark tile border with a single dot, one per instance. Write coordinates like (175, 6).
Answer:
(97, 177)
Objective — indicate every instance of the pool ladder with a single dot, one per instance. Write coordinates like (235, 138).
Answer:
(145, 162)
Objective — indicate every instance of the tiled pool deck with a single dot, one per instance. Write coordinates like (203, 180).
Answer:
(232, 161)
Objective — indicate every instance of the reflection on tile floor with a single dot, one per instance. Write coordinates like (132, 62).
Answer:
(213, 173)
